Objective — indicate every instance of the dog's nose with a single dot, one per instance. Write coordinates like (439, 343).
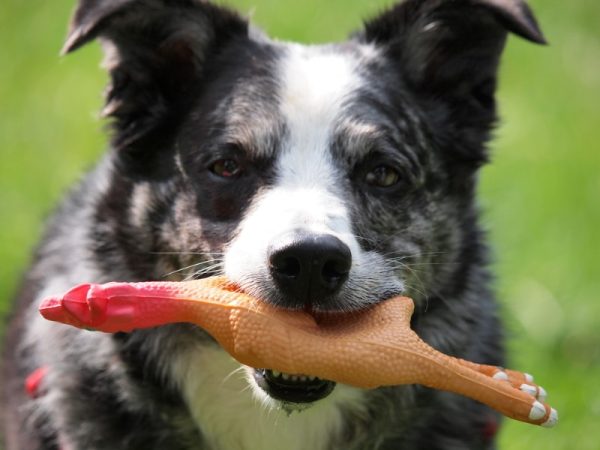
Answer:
(307, 268)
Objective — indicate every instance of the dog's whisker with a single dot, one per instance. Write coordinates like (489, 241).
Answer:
(210, 265)
(435, 264)
(209, 270)
(414, 273)
(365, 239)
(185, 253)
(246, 388)
(234, 372)
(183, 269)
(421, 292)
(405, 255)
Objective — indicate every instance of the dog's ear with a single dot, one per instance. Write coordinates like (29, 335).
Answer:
(448, 53)
(155, 50)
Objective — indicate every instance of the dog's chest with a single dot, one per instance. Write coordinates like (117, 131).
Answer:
(233, 416)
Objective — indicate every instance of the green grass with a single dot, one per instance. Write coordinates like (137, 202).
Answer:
(541, 195)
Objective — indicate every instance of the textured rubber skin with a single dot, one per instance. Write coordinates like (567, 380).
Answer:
(366, 349)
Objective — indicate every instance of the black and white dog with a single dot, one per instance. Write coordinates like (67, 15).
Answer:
(327, 177)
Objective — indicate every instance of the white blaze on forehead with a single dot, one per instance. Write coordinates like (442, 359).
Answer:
(315, 86)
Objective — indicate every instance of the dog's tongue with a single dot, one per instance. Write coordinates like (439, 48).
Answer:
(366, 349)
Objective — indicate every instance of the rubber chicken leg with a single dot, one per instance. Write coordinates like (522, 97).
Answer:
(367, 349)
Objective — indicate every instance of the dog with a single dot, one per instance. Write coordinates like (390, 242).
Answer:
(326, 177)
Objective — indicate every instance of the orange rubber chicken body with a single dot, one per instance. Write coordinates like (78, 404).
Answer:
(366, 349)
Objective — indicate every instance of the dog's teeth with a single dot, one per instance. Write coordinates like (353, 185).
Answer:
(290, 377)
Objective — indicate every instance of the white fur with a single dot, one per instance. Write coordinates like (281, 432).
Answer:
(140, 199)
(227, 405)
(314, 86)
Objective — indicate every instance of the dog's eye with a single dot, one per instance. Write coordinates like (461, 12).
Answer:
(382, 176)
(225, 168)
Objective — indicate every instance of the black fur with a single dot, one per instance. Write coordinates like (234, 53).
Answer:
(192, 83)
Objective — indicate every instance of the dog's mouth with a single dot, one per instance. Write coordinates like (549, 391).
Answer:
(290, 388)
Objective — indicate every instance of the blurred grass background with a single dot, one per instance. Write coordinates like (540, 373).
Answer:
(541, 196)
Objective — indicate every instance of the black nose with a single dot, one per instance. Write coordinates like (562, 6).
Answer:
(307, 268)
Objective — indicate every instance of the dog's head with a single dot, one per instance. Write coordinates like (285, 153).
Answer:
(321, 177)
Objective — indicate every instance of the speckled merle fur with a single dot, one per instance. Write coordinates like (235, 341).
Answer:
(192, 83)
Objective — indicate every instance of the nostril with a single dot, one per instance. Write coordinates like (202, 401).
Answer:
(335, 271)
(286, 266)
